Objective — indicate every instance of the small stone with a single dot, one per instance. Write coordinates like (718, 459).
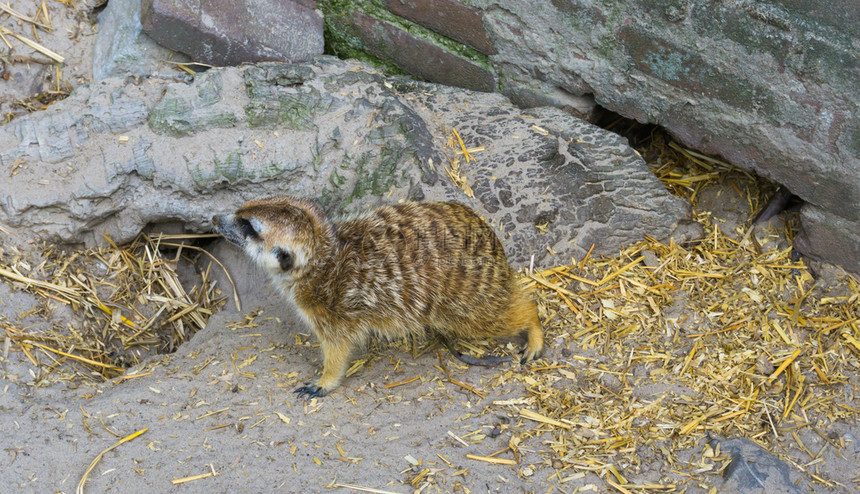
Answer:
(753, 469)
(763, 365)
(610, 382)
(495, 431)
(651, 259)
(642, 422)
(851, 442)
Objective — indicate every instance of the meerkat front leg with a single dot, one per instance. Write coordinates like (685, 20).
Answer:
(335, 363)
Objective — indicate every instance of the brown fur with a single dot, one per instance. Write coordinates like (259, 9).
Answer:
(395, 271)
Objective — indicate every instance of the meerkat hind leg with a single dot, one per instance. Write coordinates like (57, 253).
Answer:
(525, 314)
(534, 346)
(335, 364)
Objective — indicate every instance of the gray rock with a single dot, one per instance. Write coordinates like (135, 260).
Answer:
(770, 86)
(333, 131)
(230, 33)
(121, 48)
(754, 470)
(537, 95)
(828, 237)
(415, 55)
(450, 18)
(853, 444)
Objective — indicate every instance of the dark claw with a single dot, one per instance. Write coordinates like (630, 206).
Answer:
(309, 391)
(525, 358)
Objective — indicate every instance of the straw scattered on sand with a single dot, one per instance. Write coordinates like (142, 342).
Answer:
(652, 350)
(132, 302)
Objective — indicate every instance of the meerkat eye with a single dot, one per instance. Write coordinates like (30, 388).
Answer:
(285, 259)
(248, 229)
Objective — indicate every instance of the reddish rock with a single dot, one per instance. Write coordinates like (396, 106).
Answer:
(449, 18)
(416, 56)
(223, 32)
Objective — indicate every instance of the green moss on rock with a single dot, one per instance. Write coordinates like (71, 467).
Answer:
(342, 41)
(180, 115)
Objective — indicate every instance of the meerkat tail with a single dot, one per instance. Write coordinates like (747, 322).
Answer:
(490, 361)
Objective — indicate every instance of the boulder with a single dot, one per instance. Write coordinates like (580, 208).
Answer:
(449, 18)
(229, 33)
(413, 54)
(771, 86)
(113, 158)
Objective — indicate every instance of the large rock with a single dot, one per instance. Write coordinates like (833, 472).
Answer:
(415, 55)
(229, 33)
(772, 86)
(447, 17)
(112, 159)
(821, 231)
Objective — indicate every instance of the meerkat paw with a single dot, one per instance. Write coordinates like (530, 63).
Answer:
(530, 354)
(309, 391)
(534, 346)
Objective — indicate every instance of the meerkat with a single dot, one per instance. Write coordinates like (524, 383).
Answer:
(395, 271)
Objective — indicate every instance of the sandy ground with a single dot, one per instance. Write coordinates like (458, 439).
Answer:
(223, 403)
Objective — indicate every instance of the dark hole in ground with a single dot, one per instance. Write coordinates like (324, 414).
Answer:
(133, 301)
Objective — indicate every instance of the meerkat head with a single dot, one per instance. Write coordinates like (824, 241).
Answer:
(281, 234)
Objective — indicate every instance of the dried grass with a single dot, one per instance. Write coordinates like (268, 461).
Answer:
(131, 299)
(726, 337)
(22, 32)
(661, 346)
(98, 458)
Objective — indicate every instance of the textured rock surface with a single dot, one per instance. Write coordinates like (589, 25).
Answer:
(828, 237)
(332, 131)
(121, 48)
(771, 86)
(230, 33)
(440, 41)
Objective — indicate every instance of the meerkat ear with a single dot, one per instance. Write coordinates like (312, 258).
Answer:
(285, 259)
